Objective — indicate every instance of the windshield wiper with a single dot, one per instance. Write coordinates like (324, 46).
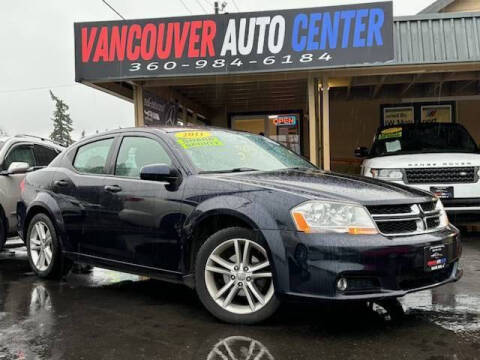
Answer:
(239, 169)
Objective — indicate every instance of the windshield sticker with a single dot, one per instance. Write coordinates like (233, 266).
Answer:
(193, 142)
(193, 134)
(393, 146)
(390, 133)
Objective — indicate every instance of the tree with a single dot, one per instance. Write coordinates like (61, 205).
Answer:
(3, 132)
(83, 134)
(62, 123)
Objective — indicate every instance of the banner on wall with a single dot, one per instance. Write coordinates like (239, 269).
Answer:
(310, 38)
(157, 111)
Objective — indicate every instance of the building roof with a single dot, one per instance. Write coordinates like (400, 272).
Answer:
(437, 38)
(436, 6)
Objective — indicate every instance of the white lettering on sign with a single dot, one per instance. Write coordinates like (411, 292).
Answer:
(254, 29)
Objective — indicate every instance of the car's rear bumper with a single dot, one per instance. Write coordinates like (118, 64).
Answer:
(374, 266)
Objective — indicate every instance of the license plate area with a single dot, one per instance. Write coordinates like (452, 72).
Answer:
(436, 257)
(443, 192)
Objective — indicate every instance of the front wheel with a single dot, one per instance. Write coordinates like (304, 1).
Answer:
(43, 247)
(233, 277)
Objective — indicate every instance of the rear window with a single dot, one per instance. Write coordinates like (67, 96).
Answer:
(92, 158)
(44, 155)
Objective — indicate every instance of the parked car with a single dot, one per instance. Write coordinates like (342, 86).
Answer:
(437, 157)
(18, 155)
(237, 216)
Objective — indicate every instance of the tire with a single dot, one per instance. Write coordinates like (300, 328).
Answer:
(237, 283)
(38, 243)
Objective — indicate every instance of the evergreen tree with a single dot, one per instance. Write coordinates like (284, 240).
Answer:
(62, 123)
(83, 134)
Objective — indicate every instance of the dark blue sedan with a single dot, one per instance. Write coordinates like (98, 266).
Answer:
(238, 217)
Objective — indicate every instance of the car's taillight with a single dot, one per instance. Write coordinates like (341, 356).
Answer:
(22, 186)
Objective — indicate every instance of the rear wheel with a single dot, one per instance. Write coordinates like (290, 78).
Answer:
(233, 277)
(44, 249)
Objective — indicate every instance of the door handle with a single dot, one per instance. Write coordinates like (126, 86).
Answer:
(61, 183)
(113, 188)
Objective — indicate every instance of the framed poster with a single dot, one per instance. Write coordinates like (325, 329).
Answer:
(436, 114)
(398, 115)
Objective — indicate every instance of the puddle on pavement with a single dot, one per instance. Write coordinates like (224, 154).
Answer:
(455, 312)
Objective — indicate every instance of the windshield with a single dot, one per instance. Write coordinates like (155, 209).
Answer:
(225, 151)
(438, 138)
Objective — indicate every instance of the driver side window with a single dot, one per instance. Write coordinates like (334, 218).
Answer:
(136, 152)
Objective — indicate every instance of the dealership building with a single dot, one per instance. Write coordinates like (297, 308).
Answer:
(320, 80)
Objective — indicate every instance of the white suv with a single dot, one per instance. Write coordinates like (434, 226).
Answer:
(437, 157)
(19, 155)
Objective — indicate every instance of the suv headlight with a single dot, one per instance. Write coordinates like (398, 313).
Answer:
(443, 214)
(323, 216)
(387, 174)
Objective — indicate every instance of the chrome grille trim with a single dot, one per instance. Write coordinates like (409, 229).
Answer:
(417, 215)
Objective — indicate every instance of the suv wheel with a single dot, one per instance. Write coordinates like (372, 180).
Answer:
(44, 252)
(234, 277)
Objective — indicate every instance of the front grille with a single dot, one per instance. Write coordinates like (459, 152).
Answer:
(397, 227)
(390, 209)
(428, 206)
(406, 219)
(450, 175)
(433, 223)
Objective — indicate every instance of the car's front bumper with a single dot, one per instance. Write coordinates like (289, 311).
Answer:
(375, 266)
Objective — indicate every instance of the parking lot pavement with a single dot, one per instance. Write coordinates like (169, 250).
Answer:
(109, 315)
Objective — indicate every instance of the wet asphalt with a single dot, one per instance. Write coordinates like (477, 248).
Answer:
(110, 315)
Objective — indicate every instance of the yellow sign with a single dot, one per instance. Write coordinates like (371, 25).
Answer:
(193, 134)
(191, 139)
(390, 133)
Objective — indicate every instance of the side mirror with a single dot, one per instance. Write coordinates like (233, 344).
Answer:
(361, 152)
(18, 168)
(160, 172)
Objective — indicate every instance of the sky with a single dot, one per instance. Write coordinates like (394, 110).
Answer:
(37, 55)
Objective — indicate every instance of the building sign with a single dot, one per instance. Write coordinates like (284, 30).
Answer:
(398, 115)
(157, 111)
(284, 120)
(233, 43)
(436, 114)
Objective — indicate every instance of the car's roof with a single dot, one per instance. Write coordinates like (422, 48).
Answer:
(32, 139)
(159, 129)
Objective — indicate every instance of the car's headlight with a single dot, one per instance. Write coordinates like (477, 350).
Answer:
(443, 214)
(387, 174)
(323, 216)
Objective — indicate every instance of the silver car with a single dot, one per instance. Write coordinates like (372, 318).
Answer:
(19, 155)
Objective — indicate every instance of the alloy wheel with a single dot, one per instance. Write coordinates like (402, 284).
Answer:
(41, 246)
(238, 276)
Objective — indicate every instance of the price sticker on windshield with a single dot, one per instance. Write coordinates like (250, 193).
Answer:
(391, 133)
(192, 139)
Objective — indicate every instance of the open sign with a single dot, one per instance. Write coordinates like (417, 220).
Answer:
(284, 120)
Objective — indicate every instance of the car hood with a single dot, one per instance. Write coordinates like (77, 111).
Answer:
(330, 186)
(424, 160)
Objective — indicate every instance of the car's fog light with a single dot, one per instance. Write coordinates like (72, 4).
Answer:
(342, 284)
